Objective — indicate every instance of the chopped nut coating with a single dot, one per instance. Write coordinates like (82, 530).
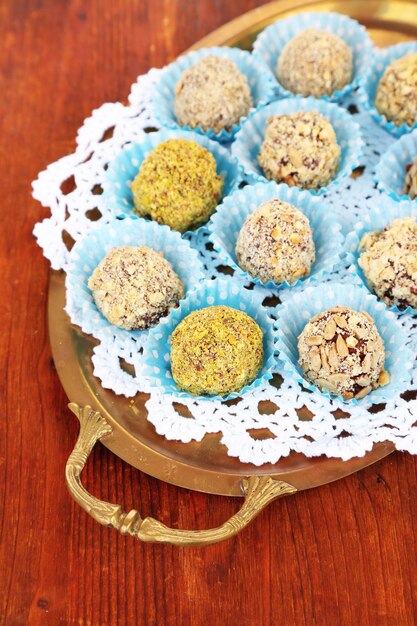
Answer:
(212, 94)
(265, 247)
(315, 63)
(300, 149)
(351, 358)
(216, 350)
(389, 262)
(177, 185)
(396, 95)
(134, 287)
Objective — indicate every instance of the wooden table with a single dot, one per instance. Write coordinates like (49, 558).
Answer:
(339, 555)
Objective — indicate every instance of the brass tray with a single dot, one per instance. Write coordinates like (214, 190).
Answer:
(121, 423)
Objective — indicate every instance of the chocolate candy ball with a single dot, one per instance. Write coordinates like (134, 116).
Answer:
(315, 63)
(300, 149)
(213, 95)
(389, 262)
(134, 287)
(341, 351)
(178, 185)
(396, 95)
(276, 243)
(215, 351)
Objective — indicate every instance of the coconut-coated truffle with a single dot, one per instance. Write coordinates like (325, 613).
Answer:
(396, 95)
(212, 94)
(315, 63)
(276, 243)
(341, 351)
(300, 149)
(410, 185)
(134, 287)
(389, 262)
(177, 185)
(215, 351)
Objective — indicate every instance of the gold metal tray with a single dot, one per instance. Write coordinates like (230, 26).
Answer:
(121, 424)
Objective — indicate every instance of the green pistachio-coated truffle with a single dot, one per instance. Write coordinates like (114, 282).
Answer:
(215, 351)
(177, 185)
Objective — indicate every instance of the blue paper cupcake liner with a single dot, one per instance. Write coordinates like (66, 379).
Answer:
(250, 137)
(261, 83)
(369, 84)
(271, 41)
(391, 170)
(89, 251)
(209, 293)
(302, 306)
(226, 223)
(377, 219)
(117, 184)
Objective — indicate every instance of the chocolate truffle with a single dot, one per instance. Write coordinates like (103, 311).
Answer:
(215, 351)
(276, 243)
(212, 94)
(134, 287)
(341, 351)
(315, 63)
(300, 149)
(177, 185)
(410, 186)
(389, 262)
(396, 95)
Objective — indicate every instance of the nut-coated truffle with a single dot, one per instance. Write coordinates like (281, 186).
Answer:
(134, 287)
(410, 185)
(276, 243)
(389, 262)
(300, 149)
(212, 94)
(315, 63)
(216, 351)
(341, 351)
(396, 95)
(177, 185)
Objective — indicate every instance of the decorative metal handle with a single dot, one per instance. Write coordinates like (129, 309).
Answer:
(257, 490)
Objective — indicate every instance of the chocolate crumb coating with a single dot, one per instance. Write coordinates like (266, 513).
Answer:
(341, 351)
(215, 351)
(276, 243)
(300, 149)
(315, 63)
(389, 262)
(134, 287)
(177, 185)
(396, 95)
(212, 94)
(410, 185)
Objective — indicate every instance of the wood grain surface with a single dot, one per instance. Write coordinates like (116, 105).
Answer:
(342, 554)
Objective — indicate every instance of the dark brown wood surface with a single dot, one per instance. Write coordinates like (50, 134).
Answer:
(342, 554)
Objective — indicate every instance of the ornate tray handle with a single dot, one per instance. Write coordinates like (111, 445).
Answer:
(257, 490)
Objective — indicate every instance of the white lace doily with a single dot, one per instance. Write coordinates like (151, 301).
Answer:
(266, 424)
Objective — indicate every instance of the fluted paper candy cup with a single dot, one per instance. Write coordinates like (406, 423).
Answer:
(250, 137)
(297, 311)
(260, 80)
(227, 222)
(377, 219)
(381, 59)
(269, 45)
(117, 185)
(91, 249)
(391, 170)
(225, 292)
